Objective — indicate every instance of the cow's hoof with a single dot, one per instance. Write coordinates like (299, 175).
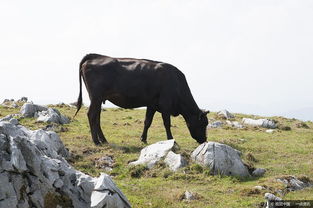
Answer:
(143, 140)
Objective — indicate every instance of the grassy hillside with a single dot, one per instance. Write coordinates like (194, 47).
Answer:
(281, 153)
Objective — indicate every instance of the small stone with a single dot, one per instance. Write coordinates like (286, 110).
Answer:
(189, 196)
(258, 172)
(271, 197)
(259, 188)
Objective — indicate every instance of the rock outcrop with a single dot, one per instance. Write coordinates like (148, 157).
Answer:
(34, 173)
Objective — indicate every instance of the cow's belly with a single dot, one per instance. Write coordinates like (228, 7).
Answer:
(128, 102)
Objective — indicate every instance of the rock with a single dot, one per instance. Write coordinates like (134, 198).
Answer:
(271, 197)
(265, 123)
(175, 161)
(34, 171)
(52, 116)
(216, 124)
(29, 109)
(189, 196)
(270, 131)
(106, 195)
(220, 158)
(153, 153)
(9, 117)
(105, 163)
(259, 188)
(224, 114)
(258, 172)
(22, 100)
(293, 183)
(235, 124)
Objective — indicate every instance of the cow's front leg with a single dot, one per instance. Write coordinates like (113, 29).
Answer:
(167, 124)
(148, 120)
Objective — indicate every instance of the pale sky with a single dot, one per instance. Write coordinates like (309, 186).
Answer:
(246, 56)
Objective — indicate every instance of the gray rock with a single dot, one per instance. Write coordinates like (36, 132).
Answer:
(220, 158)
(175, 161)
(105, 162)
(153, 153)
(106, 195)
(225, 114)
(271, 197)
(215, 124)
(29, 109)
(33, 166)
(189, 196)
(293, 183)
(52, 116)
(265, 123)
(258, 172)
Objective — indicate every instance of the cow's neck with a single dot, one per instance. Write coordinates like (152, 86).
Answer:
(189, 108)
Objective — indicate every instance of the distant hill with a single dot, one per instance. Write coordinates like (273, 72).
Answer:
(302, 114)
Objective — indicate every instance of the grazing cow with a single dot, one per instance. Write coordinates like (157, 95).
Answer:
(132, 83)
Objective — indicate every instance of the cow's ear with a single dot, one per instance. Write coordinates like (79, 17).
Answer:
(203, 113)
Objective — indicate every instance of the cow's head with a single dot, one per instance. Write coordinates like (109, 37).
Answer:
(197, 125)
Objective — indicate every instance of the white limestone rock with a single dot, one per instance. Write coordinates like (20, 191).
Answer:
(33, 166)
(265, 123)
(175, 161)
(106, 195)
(220, 158)
(153, 153)
(52, 116)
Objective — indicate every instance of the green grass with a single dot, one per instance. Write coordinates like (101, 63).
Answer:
(281, 153)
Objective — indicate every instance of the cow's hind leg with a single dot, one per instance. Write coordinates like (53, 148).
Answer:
(94, 119)
(148, 120)
(167, 124)
(101, 136)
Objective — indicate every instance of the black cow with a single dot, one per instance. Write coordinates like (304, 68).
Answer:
(132, 83)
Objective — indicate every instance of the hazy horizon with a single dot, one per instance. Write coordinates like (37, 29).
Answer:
(247, 56)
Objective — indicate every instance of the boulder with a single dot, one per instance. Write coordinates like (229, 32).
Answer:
(220, 158)
(52, 115)
(265, 123)
(153, 153)
(34, 172)
(224, 114)
(29, 109)
(175, 161)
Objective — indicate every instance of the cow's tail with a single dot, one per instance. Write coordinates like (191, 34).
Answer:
(80, 96)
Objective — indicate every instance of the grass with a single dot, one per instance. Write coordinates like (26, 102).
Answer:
(280, 153)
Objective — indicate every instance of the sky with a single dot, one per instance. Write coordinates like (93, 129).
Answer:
(246, 56)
